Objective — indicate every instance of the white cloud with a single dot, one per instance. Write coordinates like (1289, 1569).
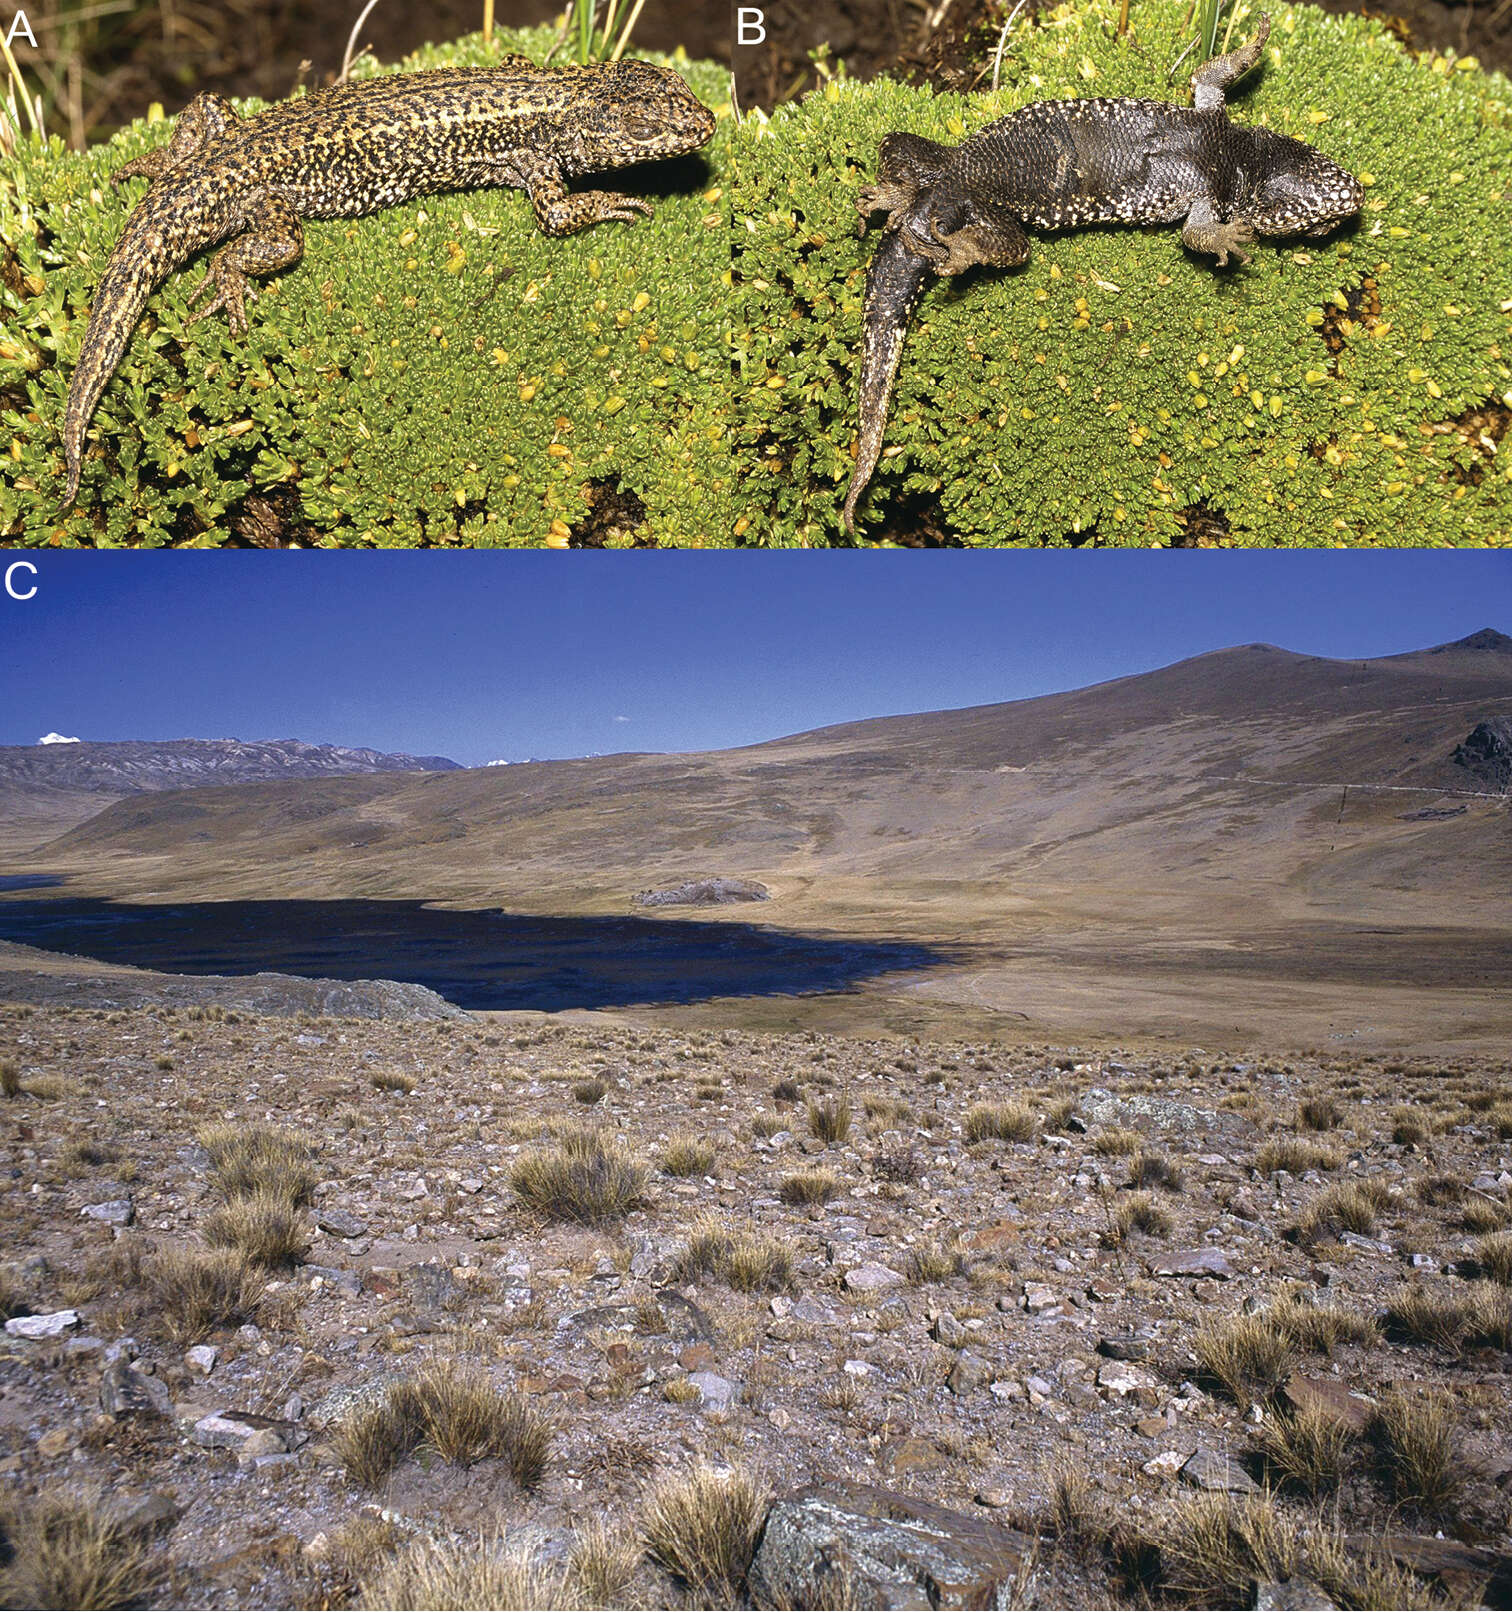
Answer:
(56, 738)
(621, 719)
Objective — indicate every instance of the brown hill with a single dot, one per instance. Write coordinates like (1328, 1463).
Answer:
(1251, 812)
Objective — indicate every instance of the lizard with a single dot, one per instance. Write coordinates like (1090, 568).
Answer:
(353, 148)
(1062, 164)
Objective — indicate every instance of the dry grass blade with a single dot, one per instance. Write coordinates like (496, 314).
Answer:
(1247, 1354)
(264, 1226)
(687, 1154)
(70, 1551)
(478, 1576)
(808, 1187)
(1000, 1122)
(196, 1290)
(830, 1119)
(1416, 1456)
(587, 1177)
(703, 1529)
(249, 1159)
(1310, 1451)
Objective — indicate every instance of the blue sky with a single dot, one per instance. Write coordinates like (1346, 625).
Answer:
(479, 656)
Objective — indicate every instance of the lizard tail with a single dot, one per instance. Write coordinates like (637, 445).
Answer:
(895, 284)
(132, 273)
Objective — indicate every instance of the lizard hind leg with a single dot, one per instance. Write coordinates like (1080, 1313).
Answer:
(989, 236)
(273, 239)
(206, 118)
(1203, 232)
(1213, 78)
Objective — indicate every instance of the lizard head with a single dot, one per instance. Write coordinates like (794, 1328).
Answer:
(643, 114)
(1295, 189)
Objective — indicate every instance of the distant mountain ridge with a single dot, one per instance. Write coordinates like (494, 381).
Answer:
(136, 766)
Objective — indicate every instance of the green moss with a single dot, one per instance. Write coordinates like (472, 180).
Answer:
(1117, 380)
(439, 372)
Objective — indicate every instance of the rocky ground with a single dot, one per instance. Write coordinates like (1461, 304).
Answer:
(864, 1322)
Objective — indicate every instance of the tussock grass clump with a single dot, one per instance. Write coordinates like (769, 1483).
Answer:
(1415, 1451)
(1117, 1142)
(1351, 1206)
(589, 1092)
(1482, 1215)
(809, 1186)
(749, 1262)
(1319, 1114)
(936, 1262)
(1308, 1452)
(85, 1152)
(1247, 1354)
(10, 1079)
(1319, 1328)
(703, 1529)
(765, 1125)
(195, 1290)
(829, 1119)
(1075, 1516)
(1409, 1128)
(1141, 1212)
(787, 1091)
(1154, 1170)
(455, 1411)
(249, 1159)
(1500, 1120)
(686, 1154)
(1467, 1316)
(394, 1080)
(1494, 1256)
(1439, 1191)
(602, 1564)
(71, 1551)
(264, 1227)
(587, 1177)
(1215, 1548)
(475, 1576)
(1001, 1122)
(12, 1300)
(1296, 1154)
(1059, 1112)
(887, 1110)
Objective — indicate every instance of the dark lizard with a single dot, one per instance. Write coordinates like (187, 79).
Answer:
(355, 148)
(1061, 164)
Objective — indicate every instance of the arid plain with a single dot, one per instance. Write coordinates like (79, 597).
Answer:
(1143, 1236)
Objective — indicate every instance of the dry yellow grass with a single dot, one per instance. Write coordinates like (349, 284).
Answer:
(703, 1528)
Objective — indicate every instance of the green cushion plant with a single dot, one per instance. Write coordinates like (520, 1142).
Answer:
(436, 373)
(1117, 389)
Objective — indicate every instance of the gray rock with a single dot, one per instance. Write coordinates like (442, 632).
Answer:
(1041, 1299)
(234, 1430)
(1292, 1595)
(429, 1287)
(949, 1331)
(348, 1282)
(1193, 1262)
(145, 1514)
(883, 1549)
(201, 1358)
(51, 1325)
(872, 1278)
(1124, 1347)
(1119, 1378)
(970, 1371)
(1205, 1469)
(812, 1312)
(125, 1391)
(113, 1212)
(1366, 1245)
(715, 1392)
(338, 1223)
(1139, 1111)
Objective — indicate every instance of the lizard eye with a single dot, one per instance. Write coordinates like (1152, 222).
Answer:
(639, 127)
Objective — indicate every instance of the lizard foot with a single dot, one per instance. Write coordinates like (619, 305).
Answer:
(232, 291)
(148, 166)
(1229, 238)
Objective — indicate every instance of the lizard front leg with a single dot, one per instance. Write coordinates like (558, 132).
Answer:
(206, 118)
(1213, 78)
(557, 210)
(273, 239)
(906, 164)
(1203, 232)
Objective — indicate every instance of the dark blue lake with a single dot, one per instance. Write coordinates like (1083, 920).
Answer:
(479, 960)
